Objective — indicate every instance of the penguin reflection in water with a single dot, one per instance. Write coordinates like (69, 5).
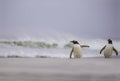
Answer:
(77, 49)
(108, 49)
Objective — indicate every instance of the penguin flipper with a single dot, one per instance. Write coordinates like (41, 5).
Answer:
(102, 49)
(85, 46)
(115, 51)
(71, 52)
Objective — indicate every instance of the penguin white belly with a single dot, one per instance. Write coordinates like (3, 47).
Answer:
(108, 51)
(77, 51)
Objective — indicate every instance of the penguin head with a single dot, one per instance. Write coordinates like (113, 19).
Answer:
(74, 42)
(109, 41)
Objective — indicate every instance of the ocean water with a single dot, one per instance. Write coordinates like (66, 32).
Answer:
(51, 48)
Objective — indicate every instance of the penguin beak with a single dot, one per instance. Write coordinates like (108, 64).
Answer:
(71, 41)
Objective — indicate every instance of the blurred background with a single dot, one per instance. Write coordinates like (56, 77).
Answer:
(28, 25)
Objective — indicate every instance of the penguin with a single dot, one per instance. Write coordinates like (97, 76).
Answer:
(108, 49)
(77, 49)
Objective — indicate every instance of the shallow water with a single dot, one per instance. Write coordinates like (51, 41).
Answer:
(43, 52)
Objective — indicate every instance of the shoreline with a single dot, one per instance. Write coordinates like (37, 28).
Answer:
(37, 56)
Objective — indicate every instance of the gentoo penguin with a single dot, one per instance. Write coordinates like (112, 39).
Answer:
(77, 49)
(108, 49)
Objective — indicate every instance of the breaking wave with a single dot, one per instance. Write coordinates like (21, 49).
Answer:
(30, 44)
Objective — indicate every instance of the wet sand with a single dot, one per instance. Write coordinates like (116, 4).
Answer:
(59, 69)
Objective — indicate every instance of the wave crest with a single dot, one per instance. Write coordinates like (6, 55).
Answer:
(32, 44)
